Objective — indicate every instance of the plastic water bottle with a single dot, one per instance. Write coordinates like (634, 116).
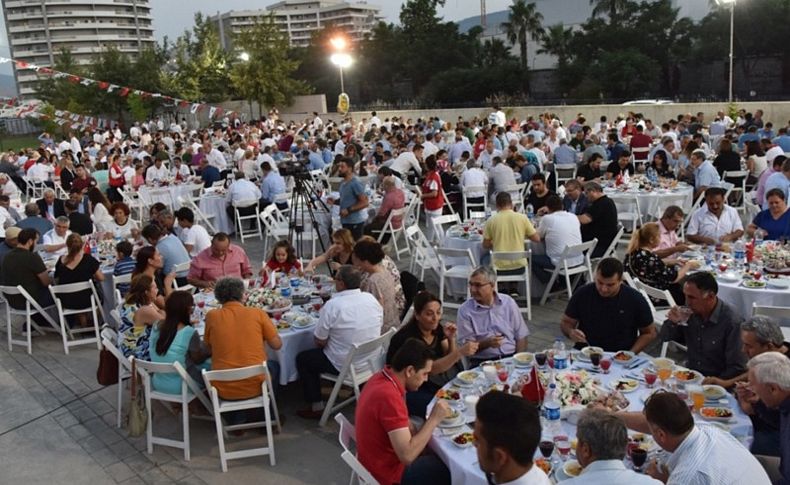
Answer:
(94, 249)
(739, 253)
(560, 354)
(117, 234)
(530, 212)
(759, 236)
(551, 411)
(710, 253)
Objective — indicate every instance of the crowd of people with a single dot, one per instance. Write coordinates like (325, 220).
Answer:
(469, 161)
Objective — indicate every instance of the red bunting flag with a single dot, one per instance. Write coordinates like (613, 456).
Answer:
(123, 92)
(74, 79)
(103, 85)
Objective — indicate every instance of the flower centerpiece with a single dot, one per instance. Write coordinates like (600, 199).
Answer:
(575, 388)
(775, 256)
(265, 298)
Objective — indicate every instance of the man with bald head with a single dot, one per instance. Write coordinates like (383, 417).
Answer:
(394, 199)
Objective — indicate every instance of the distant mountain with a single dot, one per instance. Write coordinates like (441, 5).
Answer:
(7, 85)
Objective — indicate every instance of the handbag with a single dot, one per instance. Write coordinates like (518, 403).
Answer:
(107, 373)
(136, 416)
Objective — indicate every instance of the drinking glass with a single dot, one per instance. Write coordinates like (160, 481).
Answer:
(697, 396)
(685, 314)
(490, 372)
(502, 374)
(606, 362)
(638, 457)
(650, 378)
(595, 359)
(546, 448)
(564, 447)
(540, 358)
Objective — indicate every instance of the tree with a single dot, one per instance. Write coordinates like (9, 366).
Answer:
(524, 21)
(493, 52)
(265, 73)
(201, 64)
(63, 93)
(556, 41)
(609, 8)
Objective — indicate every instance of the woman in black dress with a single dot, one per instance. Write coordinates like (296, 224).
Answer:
(425, 325)
(76, 267)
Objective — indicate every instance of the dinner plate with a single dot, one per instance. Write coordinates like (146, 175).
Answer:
(584, 354)
(466, 382)
(713, 392)
(624, 385)
(623, 354)
(754, 285)
(458, 421)
(729, 277)
(710, 409)
(469, 440)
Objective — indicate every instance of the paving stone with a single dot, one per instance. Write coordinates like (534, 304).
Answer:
(175, 470)
(123, 449)
(191, 480)
(156, 476)
(78, 432)
(139, 463)
(135, 481)
(105, 457)
(92, 444)
(120, 472)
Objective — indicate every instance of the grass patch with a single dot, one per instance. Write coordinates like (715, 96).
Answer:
(17, 143)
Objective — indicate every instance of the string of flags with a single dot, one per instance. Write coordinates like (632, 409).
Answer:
(32, 109)
(123, 91)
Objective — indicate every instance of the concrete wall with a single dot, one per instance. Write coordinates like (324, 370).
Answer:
(776, 111)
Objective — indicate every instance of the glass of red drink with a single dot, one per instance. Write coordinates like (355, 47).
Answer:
(650, 378)
(564, 447)
(606, 362)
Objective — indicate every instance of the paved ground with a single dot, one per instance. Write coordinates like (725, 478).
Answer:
(57, 425)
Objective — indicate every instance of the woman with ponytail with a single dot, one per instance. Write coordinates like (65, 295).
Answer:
(641, 262)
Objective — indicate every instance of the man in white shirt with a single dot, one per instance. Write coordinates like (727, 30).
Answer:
(242, 190)
(497, 117)
(350, 318)
(41, 172)
(701, 454)
(507, 433)
(157, 172)
(134, 131)
(54, 240)
(8, 187)
(238, 155)
(715, 221)
(474, 177)
(537, 150)
(557, 229)
(374, 120)
(194, 236)
(407, 161)
(179, 169)
(214, 157)
(602, 441)
(486, 158)
(501, 176)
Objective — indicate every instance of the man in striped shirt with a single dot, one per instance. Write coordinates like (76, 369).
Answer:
(700, 454)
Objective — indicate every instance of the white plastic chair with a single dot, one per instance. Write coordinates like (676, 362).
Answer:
(779, 313)
(275, 229)
(578, 271)
(659, 314)
(200, 217)
(189, 392)
(738, 189)
(220, 406)
(687, 219)
(438, 224)
(256, 231)
(609, 252)
(454, 264)
(31, 308)
(348, 437)
(516, 278)
(628, 215)
(565, 172)
(518, 193)
(136, 206)
(61, 292)
(109, 339)
(423, 254)
(394, 232)
(468, 206)
(362, 362)
(182, 268)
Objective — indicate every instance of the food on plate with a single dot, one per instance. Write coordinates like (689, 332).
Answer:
(572, 468)
(714, 392)
(624, 384)
(283, 325)
(685, 375)
(467, 377)
(623, 356)
(591, 350)
(448, 395)
(543, 464)
(575, 388)
(714, 413)
(464, 439)
(452, 417)
(754, 284)
(613, 401)
(524, 358)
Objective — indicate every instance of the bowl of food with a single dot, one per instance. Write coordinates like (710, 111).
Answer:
(587, 351)
(449, 395)
(714, 392)
(754, 284)
(524, 359)
(466, 378)
(463, 440)
(687, 376)
(719, 414)
(623, 357)
(572, 468)
(452, 418)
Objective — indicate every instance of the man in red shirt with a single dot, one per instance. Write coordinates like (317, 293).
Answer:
(394, 199)
(386, 446)
(640, 141)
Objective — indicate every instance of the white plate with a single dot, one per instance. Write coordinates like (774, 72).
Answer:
(584, 354)
(528, 358)
(754, 285)
(718, 419)
(778, 283)
(459, 421)
(282, 310)
(721, 393)
(729, 277)
(465, 445)
(465, 382)
(625, 390)
(568, 464)
(624, 362)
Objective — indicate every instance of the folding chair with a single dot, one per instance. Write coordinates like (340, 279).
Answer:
(256, 231)
(628, 215)
(31, 308)
(424, 255)
(562, 269)
(738, 179)
(659, 314)
(200, 216)
(136, 206)
(68, 334)
(517, 195)
(447, 202)
(109, 339)
(182, 268)
(347, 437)
(687, 219)
(565, 173)
(389, 228)
(516, 278)
(454, 264)
(468, 206)
(362, 362)
(219, 406)
(275, 229)
(609, 253)
(779, 313)
(413, 211)
(438, 224)
(629, 280)
(189, 392)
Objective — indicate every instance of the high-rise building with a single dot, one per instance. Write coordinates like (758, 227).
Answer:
(300, 18)
(39, 29)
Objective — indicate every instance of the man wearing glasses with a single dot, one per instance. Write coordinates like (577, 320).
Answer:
(491, 319)
(669, 242)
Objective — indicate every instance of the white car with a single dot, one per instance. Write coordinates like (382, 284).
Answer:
(639, 102)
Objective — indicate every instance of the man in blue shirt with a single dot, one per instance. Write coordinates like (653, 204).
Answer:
(326, 153)
(615, 147)
(316, 158)
(170, 248)
(779, 180)
(750, 135)
(208, 173)
(353, 200)
(272, 185)
(705, 174)
(783, 140)
(564, 154)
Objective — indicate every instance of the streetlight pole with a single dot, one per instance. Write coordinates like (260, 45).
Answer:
(342, 86)
(732, 36)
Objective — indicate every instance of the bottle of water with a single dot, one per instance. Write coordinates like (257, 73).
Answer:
(759, 236)
(94, 248)
(560, 354)
(117, 234)
(551, 411)
(739, 253)
(530, 212)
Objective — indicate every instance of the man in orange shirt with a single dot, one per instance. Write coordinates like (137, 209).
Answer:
(236, 335)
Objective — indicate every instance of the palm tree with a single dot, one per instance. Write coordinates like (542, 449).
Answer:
(494, 52)
(556, 42)
(523, 21)
(608, 7)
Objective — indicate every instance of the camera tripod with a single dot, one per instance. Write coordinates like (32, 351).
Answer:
(303, 205)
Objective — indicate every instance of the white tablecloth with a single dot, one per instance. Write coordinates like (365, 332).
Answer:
(652, 204)
(175, 191)
(743, 298)
(294, 341)
(463, 463)
(216, 206)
